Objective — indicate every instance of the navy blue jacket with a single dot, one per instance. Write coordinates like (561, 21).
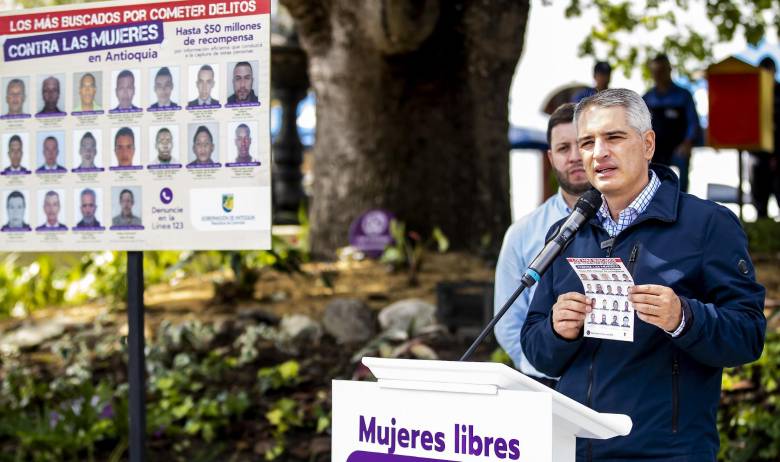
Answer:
(670, 387)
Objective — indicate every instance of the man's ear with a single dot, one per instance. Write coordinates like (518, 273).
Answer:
(648, 139)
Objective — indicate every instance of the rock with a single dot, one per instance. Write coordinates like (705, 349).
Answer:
(349, 320)
(410, 315)
(300, 329)
(258, 314)
(31, 336)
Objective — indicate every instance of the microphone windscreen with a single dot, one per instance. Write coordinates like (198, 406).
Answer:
(589, 203)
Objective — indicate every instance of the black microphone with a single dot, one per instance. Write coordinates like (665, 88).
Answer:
(584, 210)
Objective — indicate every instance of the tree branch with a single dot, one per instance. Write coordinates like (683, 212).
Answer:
(313, 24)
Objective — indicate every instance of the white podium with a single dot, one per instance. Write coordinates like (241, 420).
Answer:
(428, 411)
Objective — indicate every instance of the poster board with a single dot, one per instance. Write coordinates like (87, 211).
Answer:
(136, 126)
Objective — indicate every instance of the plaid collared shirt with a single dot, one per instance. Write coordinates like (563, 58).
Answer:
(627, 216)
(630, 213)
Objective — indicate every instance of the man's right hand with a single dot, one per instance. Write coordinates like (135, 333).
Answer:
(568, 314)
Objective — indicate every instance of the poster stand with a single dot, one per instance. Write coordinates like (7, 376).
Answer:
(136, 360)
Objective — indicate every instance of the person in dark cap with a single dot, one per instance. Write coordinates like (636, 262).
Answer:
(602, 73)
(765, 174)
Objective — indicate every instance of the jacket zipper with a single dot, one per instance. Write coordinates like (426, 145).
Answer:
(632, 258)
(590, 367)
(675, 392)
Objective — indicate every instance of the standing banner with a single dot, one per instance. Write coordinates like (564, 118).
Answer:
(136, 126)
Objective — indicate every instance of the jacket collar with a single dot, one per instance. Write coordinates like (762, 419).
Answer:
(664, 204)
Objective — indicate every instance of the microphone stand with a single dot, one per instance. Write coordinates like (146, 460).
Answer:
(526, 282)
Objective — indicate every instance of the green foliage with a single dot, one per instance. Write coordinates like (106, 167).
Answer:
(408, 248)
(747, 418)
(41, 280)
(500, 356)
(689, 48)
(279, 376)
(763, 236)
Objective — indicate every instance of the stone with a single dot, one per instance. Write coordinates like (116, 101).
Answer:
(300, 329)
(411, 315)
(349, 320)
(31, 336)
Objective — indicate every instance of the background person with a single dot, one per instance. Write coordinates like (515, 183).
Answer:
(524, 239)
(602, 73)
(765, 174)
(675, 120)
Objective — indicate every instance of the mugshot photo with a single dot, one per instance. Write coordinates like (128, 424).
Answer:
(242, 148)
(203, 88)
(163, 145)
(242, 83)
(15, 160)
(87, 95)
(88, 208)
(203, 142)
(52, 100)
(16, 213)
(126, 91)
(164, 88)
(124, 146)
(87, 149)
(16, 101)
(51, 210)
(51, 157)
(126, 207)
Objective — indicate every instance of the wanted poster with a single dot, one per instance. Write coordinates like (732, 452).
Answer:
(606, 281)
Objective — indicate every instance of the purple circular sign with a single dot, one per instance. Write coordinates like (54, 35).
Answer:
(370, 232)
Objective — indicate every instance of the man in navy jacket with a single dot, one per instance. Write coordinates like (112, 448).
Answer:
(699, 306)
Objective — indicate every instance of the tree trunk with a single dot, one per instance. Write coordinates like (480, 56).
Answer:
(411, 113)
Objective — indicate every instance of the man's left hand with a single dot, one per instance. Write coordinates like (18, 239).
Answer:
(657, 305)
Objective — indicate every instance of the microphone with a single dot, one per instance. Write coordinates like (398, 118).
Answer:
(584, 210)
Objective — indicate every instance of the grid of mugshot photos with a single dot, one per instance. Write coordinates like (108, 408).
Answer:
(52, 151)
(609, 294)
(161, 88)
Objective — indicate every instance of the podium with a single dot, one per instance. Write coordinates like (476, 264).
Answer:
(432, 411)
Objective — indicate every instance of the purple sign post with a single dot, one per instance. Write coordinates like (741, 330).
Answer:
(370, 232)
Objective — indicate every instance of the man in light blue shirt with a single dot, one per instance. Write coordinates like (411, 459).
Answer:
(525, 238)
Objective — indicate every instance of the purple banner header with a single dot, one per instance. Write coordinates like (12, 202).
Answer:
(83, 41)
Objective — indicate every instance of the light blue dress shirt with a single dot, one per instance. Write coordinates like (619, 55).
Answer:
(522, 242)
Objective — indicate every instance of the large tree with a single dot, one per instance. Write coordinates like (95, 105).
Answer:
(411, 112)
(412, 98)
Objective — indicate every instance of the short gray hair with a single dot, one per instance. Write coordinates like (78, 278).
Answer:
(637, 113)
